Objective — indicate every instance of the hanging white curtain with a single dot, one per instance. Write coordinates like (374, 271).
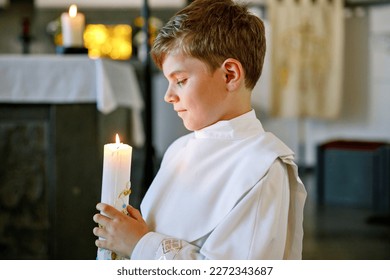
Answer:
(307, 57)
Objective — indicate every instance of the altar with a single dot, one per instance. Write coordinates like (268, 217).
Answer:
(56, 113)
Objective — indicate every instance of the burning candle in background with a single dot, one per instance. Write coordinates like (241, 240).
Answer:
(72, 26)
(116, 181)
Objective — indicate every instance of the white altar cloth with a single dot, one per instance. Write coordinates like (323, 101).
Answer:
(67, 79)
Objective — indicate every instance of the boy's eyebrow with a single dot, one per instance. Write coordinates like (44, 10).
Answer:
(175, 72)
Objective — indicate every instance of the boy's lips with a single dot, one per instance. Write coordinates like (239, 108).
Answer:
(180, 112)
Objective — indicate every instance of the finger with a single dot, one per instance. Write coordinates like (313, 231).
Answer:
(101, 243)
(101, 220)
(99, 232)
(108, 210)
(134, 213)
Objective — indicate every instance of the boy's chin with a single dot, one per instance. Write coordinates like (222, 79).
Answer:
(197, 124)
(188, 127)
(191, 126)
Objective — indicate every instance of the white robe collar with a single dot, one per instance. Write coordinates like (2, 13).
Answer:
(240, 127)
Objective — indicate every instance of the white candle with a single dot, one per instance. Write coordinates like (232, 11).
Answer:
(72, 26)
(116, 181)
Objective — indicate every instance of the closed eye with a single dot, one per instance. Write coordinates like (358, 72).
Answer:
(180, 83)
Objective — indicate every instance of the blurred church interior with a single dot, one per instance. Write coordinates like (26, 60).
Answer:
(59, 106)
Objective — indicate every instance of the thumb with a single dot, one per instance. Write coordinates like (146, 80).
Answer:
(134, 213)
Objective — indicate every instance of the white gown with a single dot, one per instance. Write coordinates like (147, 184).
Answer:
(228, 191)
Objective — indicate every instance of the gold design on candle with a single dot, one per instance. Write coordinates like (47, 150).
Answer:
(123, 198)
(126, 191)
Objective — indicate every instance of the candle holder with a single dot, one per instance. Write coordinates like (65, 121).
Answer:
(71, 50)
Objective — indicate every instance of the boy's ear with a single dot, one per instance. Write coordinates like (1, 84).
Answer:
(234, 73)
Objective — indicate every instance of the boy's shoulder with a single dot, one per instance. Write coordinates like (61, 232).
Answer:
(182, 140)
(177, 144)
(261, 144)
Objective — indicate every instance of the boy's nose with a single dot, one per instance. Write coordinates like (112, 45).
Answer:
(170, 96)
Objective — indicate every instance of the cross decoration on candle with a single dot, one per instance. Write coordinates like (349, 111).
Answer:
(116, 182)
(72, 26)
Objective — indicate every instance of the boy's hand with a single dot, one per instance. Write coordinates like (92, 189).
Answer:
(121, 232)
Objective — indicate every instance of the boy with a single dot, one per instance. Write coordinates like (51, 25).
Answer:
(228, 190)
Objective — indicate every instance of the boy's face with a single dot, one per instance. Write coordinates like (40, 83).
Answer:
(198, 96)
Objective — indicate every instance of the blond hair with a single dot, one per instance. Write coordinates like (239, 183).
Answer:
(212, 31)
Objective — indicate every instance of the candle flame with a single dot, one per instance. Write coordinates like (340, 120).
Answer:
(73, 11)
(117, 140)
